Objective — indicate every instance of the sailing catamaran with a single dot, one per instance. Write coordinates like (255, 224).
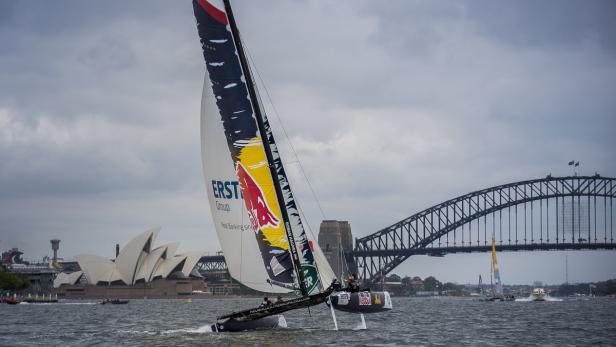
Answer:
(255, 214)
(497, 286)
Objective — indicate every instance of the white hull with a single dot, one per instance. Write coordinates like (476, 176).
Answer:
(538, 294)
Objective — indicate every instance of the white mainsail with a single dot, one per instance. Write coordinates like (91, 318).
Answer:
(235, 232)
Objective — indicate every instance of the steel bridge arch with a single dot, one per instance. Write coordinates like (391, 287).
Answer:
(377, 254)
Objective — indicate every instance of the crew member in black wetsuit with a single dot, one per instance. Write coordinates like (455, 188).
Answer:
(352, 283)
(266, 302)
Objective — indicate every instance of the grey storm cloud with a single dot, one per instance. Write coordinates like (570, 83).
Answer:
(392, 107)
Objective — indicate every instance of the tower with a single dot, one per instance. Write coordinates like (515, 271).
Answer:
(55, 245)
(335, 238)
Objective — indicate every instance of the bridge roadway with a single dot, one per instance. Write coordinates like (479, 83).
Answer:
(442, 251)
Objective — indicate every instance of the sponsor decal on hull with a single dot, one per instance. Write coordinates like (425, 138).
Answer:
(365, 299)
(377, 299)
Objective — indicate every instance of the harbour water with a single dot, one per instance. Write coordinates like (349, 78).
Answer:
(439, 321)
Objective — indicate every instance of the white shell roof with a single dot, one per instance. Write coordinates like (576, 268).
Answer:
(168, 265)
(192, 258)
(171, 249)
(150, 262)
(138, 260)
(111, 275)
(127, 261)
(67, 278)
(97, 269)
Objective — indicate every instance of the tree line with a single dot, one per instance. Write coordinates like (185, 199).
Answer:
(429, 284)
(596, 288)
(13, 282)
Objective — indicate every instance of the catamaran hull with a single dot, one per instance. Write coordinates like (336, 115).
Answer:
(265, 323)
(362, 302)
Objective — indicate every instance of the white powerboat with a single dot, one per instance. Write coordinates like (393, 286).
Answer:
(538, 294)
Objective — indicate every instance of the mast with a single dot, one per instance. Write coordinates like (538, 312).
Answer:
(268, 152)
(480, 285)
(491, 279)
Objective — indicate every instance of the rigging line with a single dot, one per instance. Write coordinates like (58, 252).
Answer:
(284, 131)
(307, 224)
(299, 209)
(260, 104)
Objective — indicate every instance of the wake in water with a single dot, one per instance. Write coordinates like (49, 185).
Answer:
(282, 323)
(530, 298)
(362, 324)
(199, 330)
(57, 303)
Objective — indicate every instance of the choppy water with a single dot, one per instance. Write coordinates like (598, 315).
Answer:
(414, 321)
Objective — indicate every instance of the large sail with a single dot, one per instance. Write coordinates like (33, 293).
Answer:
(259, 178)
(316, 270)
(231, 219)
(324, 269)
(498, 287)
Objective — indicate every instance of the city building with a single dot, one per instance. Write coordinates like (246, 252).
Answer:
(417, 282)
(38, 273)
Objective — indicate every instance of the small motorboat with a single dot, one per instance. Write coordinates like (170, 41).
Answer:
(114, 302)
(538, 294)
(11, 301)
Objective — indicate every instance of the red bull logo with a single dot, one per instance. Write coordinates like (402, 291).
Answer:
(261, 215)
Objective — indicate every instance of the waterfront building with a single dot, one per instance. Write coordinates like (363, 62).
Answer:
(139, 270)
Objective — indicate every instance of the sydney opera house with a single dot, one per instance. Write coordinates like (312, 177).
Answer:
(139, 270)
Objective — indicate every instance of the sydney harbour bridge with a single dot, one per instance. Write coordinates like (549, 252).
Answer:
(551, 213)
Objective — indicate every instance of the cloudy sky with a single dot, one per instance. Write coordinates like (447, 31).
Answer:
(391, 107)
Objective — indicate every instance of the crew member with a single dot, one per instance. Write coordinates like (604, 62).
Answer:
(352, 283)
(266, 302)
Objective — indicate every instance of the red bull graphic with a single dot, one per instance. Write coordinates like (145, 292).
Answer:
(255, 185)
(257, 167)
(260, 213)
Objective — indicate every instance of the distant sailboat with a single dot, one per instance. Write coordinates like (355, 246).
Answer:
(497, 289)
(495, 280)
(255, 214)
(480, 286)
